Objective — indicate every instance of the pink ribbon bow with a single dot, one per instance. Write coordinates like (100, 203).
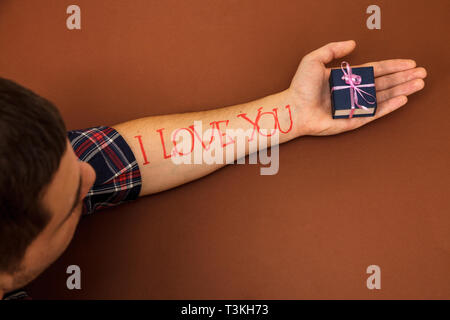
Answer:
(353, 81)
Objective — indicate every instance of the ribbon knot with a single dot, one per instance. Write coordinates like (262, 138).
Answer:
(354, 84)
(352, 79)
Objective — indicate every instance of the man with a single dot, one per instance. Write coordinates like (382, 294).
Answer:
(50, 177)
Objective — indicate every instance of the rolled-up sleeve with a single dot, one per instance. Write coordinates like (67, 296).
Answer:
(118, 178)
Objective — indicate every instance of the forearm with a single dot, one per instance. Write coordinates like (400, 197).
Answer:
(150, 138)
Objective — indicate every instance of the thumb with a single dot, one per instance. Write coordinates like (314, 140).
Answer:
(332, 50)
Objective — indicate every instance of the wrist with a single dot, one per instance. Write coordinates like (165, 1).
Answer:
(287, 98)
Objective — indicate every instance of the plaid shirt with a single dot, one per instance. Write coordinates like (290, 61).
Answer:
(118, 179)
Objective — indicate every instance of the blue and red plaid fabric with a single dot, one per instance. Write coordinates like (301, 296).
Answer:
(118, 176)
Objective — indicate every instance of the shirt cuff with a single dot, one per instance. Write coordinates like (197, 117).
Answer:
(118, 178)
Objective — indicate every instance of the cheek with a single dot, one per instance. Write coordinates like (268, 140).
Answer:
(66, 232)
(74, 219)
(52, 248)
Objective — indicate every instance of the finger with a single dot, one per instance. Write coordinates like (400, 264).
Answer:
(383, 109)
(403, 89)
(330, 51)
(389, 105)
(381, 68)
(391, 80)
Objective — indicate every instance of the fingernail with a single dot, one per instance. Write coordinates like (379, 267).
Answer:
(425, 73)
(420, 84)
(405, 99)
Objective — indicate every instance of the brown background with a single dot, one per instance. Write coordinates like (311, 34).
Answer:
(376, 195)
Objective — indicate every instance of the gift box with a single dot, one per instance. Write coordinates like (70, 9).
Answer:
(352, 92)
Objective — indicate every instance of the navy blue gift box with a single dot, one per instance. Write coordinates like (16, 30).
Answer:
(358, 82)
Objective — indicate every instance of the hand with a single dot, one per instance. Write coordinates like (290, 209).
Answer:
(310, 91)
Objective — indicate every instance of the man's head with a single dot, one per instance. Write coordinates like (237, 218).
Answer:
(42, 185)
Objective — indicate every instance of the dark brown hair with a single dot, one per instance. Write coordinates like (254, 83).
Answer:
(32, 143)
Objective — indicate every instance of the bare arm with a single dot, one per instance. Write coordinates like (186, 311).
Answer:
(302, 109)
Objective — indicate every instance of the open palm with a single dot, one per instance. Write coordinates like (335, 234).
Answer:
(395, 79)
